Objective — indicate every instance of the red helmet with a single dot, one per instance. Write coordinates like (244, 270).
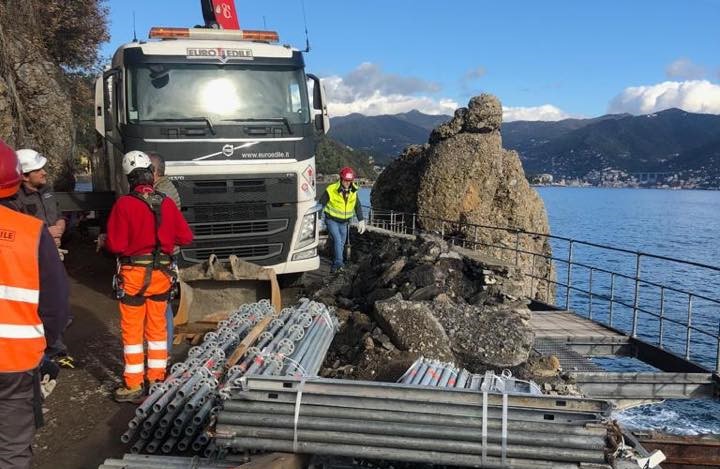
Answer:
(10, 172)
(347, 174)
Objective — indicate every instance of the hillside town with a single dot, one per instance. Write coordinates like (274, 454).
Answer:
(617, 178)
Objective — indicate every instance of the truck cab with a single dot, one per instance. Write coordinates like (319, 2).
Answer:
(236, 119)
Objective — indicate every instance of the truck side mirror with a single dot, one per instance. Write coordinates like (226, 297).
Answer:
(322, 119)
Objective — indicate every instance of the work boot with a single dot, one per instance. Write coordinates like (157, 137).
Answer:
(134, 395)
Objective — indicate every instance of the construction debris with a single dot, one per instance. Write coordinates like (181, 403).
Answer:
(436, 300)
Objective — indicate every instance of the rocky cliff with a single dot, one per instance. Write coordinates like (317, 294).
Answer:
(35, 109)
(44, 47)
(463, 174)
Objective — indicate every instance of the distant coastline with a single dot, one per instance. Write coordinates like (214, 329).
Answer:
(591, 186)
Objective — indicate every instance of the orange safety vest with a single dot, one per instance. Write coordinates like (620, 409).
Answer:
(22, 335)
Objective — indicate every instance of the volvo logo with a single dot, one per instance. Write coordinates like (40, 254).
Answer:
(228, 150)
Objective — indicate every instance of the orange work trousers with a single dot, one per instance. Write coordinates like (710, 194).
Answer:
(144, 322)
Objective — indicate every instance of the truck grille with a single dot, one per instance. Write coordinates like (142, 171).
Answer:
(214, 213)
(248, 253)
(240, 228)
(222, 186)
(248, 185)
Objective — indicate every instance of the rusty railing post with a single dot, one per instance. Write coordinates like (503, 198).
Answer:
(569, 276)
(662, 316)
(717, 353)
(590, 294)
(612, 296)
(637, 296)
(689, 327)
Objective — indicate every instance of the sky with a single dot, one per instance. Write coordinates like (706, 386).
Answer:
(544, 59)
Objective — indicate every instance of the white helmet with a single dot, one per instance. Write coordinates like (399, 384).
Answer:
(135, 159)
(30, 160)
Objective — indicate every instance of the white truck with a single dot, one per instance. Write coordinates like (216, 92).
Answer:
(237, 119)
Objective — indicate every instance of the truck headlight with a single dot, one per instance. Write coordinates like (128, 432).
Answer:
(302, 255)
(307, 231)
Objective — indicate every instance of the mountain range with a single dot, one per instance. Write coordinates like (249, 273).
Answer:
(385, 136)
(668, 141)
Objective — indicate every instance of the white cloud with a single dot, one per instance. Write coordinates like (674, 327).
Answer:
(546, 112)
(370, 91)
(685, 69)
(379, 104)
(368, 78)
(692, 96)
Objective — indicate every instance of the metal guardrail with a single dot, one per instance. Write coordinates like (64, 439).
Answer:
(700, 332)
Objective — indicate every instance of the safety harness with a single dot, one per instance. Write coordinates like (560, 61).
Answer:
(157, 260)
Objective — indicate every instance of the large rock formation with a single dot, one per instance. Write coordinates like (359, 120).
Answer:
(465, 175)
(35, 107)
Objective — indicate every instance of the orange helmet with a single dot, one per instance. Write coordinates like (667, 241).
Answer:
(347, 174)
(10, 171)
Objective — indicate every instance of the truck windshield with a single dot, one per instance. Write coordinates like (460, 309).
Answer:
(224, 94)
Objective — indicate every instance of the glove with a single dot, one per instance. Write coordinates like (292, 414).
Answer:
(62, 253)
(49, 371)
(361, 226)
(47, 385)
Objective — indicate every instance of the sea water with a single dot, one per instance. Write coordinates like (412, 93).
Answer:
(676, 224)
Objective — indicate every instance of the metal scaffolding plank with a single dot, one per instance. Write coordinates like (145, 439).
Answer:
(569, 359)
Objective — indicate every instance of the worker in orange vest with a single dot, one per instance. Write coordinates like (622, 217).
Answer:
(33, 313)
(143, 229)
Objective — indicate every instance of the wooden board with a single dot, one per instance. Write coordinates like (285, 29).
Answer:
(248, 341)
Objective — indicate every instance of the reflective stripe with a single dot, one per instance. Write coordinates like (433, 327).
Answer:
(338, 213)
(133, 348)
(134, 368)
(337, 206)
(157, 363)
(155, 345)
(14, 331)
(26, 295)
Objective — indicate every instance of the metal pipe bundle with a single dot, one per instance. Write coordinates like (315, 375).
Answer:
(178, 413)
(408, 423)
(446, 375)
(142, 461)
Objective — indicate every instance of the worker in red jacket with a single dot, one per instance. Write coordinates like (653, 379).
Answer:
(143, 229)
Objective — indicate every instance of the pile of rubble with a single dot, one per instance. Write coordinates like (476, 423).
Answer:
(403, 297)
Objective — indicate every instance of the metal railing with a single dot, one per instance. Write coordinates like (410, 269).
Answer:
(663, 312)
